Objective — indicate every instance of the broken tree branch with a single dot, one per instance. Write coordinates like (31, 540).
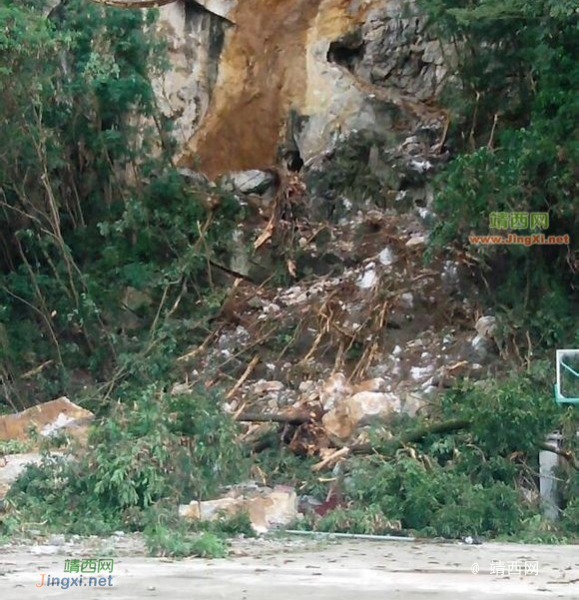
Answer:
(408, 437)
(293, 418)
(566, 454)
(341, 453)
(415, 435)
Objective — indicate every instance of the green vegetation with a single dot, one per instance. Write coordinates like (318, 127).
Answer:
(106, 278)
(515, 123)
(103, 276)
(151, 447)
(168, 535)
(104, 247)
(477, 480)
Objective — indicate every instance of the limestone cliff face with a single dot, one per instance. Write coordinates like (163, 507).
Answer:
(240, 68)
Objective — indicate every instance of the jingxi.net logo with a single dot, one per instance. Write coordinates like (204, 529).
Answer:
(89, 574)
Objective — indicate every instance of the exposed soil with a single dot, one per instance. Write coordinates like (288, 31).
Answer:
(262, 75)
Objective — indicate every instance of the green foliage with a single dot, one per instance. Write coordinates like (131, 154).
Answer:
(570, 517)
(431, 499)
(515, 115)
(467, 482)
(154, 446)
(369, 520)
(93, 209)
(167, 534)
(14, 447)
(506, 416)
(539, 530)
(175, 543)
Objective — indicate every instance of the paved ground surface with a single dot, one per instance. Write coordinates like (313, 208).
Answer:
(281, 570)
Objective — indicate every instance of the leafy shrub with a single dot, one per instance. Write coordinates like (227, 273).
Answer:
(92, 205)
(157, 446)
(514, 114)
(170, 542)
(570, 518)
(369, 520)
(434, 500)
(505, 416)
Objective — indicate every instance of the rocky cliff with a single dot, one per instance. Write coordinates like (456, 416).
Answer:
(254, 79)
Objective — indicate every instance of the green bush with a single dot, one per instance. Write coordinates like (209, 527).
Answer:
(93, 208)
(506, 416)
(157, 446)
(434, 500)
(514, 124)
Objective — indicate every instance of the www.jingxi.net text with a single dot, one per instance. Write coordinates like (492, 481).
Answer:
(66, 582)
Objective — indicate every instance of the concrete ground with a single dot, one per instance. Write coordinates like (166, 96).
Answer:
(331, 570)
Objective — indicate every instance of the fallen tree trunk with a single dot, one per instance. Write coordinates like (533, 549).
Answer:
(293, 418)
(408, 437)
(415, 435)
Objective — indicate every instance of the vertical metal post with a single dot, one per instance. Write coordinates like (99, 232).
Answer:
(548, 485)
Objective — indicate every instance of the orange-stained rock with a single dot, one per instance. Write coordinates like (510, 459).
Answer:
(359, 409)
(267, 68)
(48, 418)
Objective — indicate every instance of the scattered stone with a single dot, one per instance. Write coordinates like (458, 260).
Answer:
(39, 550)
(407, 300)
(368, 406)
(251, 182)
(386, 257)
(481, 347)
(267, 508)
(421, 165)
(338, 423)
(377, 384)
(194, 177)
(334, 388)
(263, 387)
(358, 410)
(417, 241)
(368, 279)
(418, 373)
(450, 275)
(486, 327)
